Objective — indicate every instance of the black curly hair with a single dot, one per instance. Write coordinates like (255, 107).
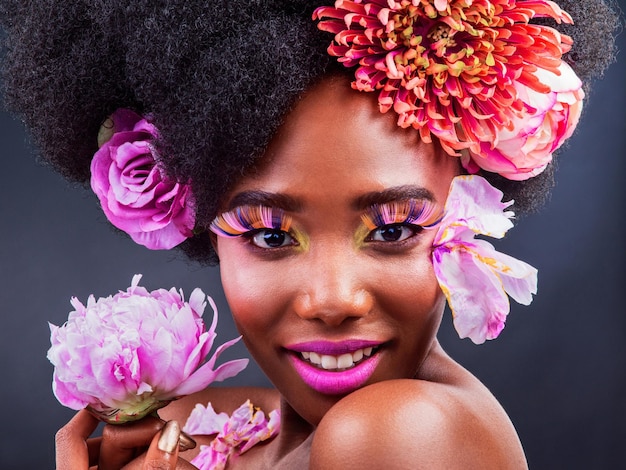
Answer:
(216, 92)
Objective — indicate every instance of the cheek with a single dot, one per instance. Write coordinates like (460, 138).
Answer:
(416, 292)
(252, 289)
(421, 311)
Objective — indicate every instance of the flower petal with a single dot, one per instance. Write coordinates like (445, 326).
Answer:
(473, 203)
(204, 420)
(475, 294)
(474, 277)
(205, 375)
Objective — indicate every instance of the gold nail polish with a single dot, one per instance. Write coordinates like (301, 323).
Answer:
(186, 442)
(169, 437)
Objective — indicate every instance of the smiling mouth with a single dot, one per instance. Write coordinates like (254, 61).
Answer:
(337, 363)
(335, 368)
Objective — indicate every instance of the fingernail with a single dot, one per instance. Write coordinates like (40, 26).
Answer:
(169, 437)
(186, 442)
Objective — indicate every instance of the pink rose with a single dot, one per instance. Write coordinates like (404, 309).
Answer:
(526, 150)
(127, 355)
(136, 195)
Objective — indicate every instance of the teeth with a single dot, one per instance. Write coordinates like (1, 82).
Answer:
(341, 362)
(315, 358)
(329, 362)
(344, 361)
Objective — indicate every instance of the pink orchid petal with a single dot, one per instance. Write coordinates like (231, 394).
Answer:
(474, 277)
(473, 203)
(235, 434)
(204, 420)
(475, 295)
(519, 279)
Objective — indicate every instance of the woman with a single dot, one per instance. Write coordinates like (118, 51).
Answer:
(326, 281)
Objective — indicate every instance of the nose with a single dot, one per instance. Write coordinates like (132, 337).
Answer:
(333, 289)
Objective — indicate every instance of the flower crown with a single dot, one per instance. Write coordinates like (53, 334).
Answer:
(491, 87)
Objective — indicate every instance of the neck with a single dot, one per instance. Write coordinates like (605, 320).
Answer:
(293, 442)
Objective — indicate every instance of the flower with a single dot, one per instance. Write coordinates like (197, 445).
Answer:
(469, 72)
(134, 192)
(235, 434)
(526, 150)
(126, 355)
(474, 277)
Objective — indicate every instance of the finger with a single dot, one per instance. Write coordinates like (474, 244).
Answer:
(71, 442)
(121, 443)
(93, 447)
(163, 451)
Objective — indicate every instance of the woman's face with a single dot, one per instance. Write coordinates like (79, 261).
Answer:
(326, 302)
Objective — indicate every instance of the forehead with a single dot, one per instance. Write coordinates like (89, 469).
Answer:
(336, 143)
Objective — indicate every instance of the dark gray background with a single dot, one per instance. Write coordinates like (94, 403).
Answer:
(559, 367)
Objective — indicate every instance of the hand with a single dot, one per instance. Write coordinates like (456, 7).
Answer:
(119, 445)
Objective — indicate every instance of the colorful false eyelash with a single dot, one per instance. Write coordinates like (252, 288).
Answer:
(247, 218)
(412, 211)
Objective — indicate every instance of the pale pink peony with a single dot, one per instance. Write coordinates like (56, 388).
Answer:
(526, 150)
(126, 355)
(474, 277)
(136, 195)
(235, 434)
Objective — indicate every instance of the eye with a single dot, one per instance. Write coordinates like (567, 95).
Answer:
(271, 238)
(393, 233)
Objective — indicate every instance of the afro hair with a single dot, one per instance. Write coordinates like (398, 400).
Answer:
(217, 80)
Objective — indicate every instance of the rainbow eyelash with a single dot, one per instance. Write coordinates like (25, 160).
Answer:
(412, 211)
(244, 219)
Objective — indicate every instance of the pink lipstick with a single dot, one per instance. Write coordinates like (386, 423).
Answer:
(335, 368)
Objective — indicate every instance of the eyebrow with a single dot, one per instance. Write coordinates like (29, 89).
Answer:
(262, 198)
(397, 193)
(287, 203)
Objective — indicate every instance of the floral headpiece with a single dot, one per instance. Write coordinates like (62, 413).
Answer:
(135, 193)
(490, 86)
(474, 73)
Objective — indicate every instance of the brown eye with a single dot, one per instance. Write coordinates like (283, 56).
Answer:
(268, 239)
(393, 233)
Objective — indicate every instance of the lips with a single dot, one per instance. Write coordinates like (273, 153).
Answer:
(335, 368)
(339, 363)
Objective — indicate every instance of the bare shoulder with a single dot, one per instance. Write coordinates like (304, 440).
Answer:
(223, 399)
(417, 424)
